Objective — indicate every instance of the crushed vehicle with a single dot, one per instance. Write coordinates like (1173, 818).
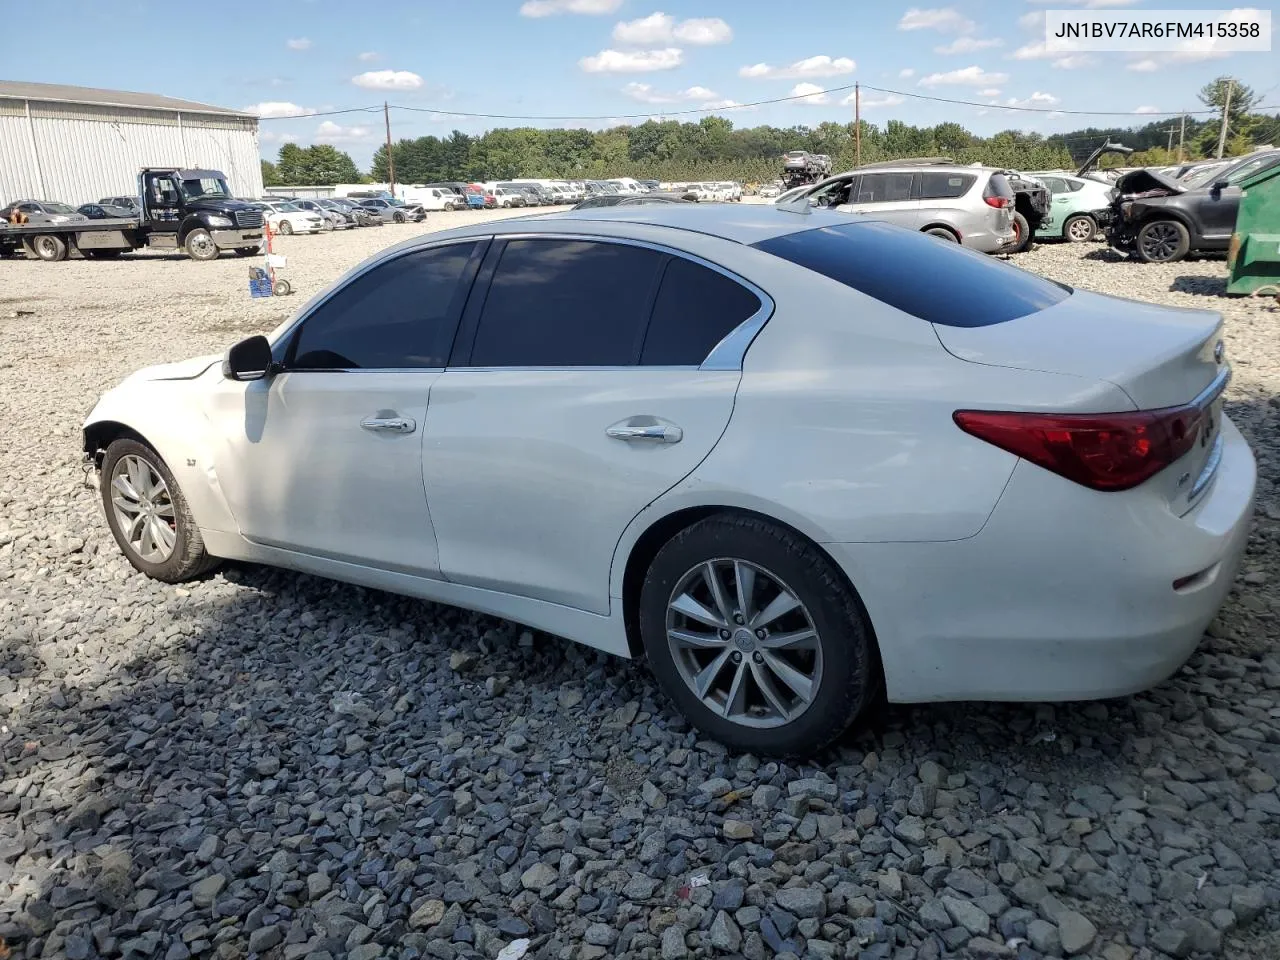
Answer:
(1162, 220)
(800, 167)
(1079, 208)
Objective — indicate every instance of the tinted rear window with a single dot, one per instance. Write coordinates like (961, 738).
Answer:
(965, 289)
(945, 186)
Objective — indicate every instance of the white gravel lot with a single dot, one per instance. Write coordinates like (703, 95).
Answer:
(264, 763)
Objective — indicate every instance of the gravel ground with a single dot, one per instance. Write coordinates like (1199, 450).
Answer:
(264, 763)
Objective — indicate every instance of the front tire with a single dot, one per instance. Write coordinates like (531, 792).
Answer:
(200, 246)
(1080, 228)
(754, 634)
(149, 516)
(1163, 241)
(398, 217)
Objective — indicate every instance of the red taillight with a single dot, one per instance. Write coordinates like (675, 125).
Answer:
(1102, 451)
(997, 202)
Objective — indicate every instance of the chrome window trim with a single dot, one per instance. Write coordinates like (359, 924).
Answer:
(728, 354)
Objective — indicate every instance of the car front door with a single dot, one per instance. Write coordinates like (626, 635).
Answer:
(888, 197)
(569, 410)
(325, 457)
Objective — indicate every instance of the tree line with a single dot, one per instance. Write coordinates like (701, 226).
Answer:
(714, 149)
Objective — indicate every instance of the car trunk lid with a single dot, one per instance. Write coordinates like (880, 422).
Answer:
(1161, 357)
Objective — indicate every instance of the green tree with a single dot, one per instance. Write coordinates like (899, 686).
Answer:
(1238, 99)
(270, 175)
(320, 164)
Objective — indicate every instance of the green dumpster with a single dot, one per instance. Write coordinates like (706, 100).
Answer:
(1253, 259)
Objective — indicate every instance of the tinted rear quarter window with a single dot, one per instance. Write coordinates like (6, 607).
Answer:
(945, 186)
(566, 303)
(965, 289)
(696, 308)
(884, 187)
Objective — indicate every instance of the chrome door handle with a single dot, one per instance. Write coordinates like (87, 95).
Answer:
(389, 424)
(646, 432)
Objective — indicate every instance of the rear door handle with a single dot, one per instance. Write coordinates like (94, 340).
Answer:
(389, 424)
(645, 430)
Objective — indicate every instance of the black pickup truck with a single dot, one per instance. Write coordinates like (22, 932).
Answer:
(190, 210)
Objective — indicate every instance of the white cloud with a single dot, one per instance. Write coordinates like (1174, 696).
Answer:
(1089, 4)
(812, 94)
(820, 66)
(330, 132)
(989, 92)
(947, 19)
(276, 136)
(1036, 99)
(1075, 61)
(550, 8)
(725, 105)
(906, 73)
(1033, 21)
(278, 108)
(1145, 109)
(369, 56)
(703, 31)
(872, 102)
(1172, 58)
(1040, 51)
(968, 45)
(964, 77)
(388, 80)
(633, 61)
(645, 93)
(661, 28)
(302, 43)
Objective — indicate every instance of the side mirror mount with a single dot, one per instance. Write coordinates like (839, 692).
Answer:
(1220, 185)
(249, 360)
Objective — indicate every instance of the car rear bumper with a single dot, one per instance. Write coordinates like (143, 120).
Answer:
(1065, 594)
(988, 241)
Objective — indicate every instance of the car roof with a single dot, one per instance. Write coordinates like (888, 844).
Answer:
(741, 224)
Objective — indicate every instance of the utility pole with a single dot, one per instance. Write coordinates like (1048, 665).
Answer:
(857, 125)
(1226, 108)
(1182, 136)
(1169, 149)
(391, 162)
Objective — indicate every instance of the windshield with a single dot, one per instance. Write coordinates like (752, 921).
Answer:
(1199, 177)
(287, 207)
(57, 208)
(1249, 168)
(194, 189)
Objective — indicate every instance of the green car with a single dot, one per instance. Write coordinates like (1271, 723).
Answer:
(1078, 208)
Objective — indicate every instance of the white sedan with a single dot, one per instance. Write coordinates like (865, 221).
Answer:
(287, 217)
(744, 442)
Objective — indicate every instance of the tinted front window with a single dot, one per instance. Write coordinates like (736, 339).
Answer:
(696, 308)
(883, 187)
(887, 263)
(945, 186)
(397, 315)
(566, 303)
(1055, 184)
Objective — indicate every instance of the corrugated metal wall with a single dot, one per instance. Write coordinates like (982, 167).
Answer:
(80, 152)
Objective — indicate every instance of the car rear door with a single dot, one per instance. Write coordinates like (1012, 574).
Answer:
(325, 458)
(886, 196)
(567, 410)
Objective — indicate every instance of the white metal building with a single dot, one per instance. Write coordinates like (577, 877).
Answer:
(78, 144)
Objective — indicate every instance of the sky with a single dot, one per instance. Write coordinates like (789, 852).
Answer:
(610, 60)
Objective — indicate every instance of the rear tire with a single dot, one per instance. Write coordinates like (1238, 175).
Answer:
(248, 251)
(1163, 241)
(1080, 228)
(1021, 234)
(942, 233)
(834, 660)
(187, 557)
(286, 228)
(48, 247)
(398, 217)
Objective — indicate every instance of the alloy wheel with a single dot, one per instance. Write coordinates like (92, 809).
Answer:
(744, 643)
(1160, 241)
(1081, 229)
(144, 510)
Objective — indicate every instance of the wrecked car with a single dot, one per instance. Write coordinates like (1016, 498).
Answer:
(1161, 220)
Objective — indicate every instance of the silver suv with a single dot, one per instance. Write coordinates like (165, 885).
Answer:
(968, 205)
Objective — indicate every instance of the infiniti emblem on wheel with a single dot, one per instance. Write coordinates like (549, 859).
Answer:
(744, 640)
(1219, 351)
